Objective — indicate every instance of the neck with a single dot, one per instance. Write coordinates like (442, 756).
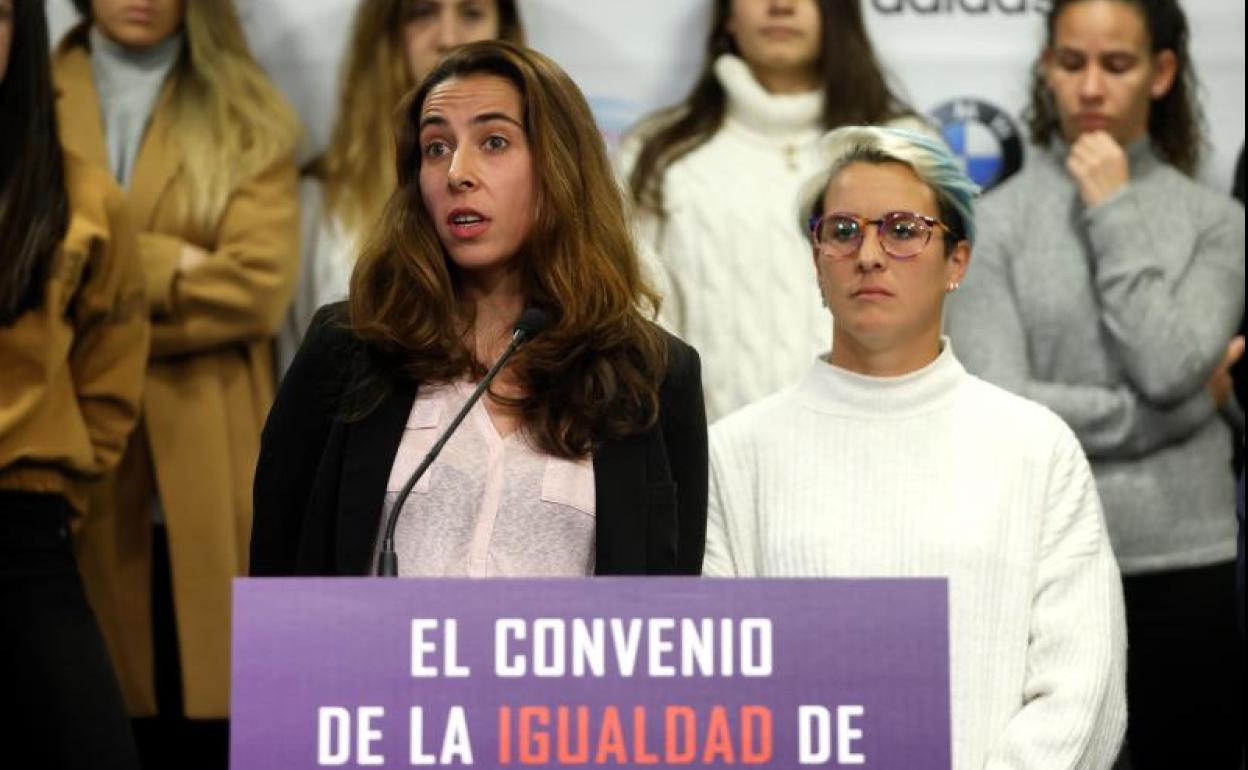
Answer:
(497, 302)
(785, 81)
(884, 360)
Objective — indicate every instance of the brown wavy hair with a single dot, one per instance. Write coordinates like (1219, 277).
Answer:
(595, 372)
(358, 165)
(856, 91)
(1175, 121)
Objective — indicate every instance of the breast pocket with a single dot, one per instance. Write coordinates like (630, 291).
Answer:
(419, 435)
(570, 483)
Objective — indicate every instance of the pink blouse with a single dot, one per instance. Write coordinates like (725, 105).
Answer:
(490, 505)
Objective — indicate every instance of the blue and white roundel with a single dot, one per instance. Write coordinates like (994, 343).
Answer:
(983, 136)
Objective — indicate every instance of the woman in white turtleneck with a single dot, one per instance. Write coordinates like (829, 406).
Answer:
(889, 460)
(713, 179)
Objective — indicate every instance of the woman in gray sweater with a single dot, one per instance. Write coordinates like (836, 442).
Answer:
(1109, 286)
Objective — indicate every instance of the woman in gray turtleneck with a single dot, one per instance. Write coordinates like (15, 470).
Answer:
(166, 95)
(128, 81)
(1108, 286)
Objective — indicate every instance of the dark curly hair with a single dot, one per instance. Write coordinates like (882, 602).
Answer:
(1175, 121)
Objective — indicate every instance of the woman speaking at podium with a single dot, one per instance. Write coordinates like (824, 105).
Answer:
(587, 454)
(392, 46)
(889, 460)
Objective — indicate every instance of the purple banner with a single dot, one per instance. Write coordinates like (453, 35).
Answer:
(609, 672)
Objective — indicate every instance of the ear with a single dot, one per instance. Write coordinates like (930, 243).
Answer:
(1165, 67)
(957, 262)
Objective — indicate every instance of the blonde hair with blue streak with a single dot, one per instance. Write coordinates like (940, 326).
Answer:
(927, 156)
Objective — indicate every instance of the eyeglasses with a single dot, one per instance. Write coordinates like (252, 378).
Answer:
(902, 234)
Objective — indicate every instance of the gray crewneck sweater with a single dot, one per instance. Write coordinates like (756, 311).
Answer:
(128, 81)
(1115, 317)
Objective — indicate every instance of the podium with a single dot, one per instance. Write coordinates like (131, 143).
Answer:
(590, 673)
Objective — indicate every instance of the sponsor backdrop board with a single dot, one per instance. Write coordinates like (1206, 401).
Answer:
(966, 61)
(610, 672)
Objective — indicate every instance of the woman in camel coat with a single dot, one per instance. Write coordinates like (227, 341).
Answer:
(216, 209)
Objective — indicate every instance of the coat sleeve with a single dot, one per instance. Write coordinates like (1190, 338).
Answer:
(1074, 710)
(684, 433)
(991, 340)
(241, 292)
(109, 356)
(1168, 327)
(294, 440)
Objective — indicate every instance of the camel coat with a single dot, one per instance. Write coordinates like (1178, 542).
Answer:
(209, 384)
(73, 367)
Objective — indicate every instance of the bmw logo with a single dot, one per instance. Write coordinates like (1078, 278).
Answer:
(984, 136)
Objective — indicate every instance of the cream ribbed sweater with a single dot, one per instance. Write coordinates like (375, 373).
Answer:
(938, 473)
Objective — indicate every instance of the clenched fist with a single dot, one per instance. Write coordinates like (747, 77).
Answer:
(1099, 166)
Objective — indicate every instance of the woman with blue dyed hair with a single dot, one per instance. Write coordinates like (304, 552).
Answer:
(890, 460)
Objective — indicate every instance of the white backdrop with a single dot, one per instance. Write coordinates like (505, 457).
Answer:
(970, 57)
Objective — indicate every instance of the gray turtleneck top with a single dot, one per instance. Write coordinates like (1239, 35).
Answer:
(128, 81)
(1115, 317)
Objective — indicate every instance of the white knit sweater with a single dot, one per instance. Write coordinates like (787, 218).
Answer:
(736, 272)
(938, 473)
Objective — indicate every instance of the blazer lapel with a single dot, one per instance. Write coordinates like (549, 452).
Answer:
(157, 163)
(82, 130)
(619, 487)
(371, 445)
(78, 104)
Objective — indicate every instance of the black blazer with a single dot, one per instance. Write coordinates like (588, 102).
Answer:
(321, 479)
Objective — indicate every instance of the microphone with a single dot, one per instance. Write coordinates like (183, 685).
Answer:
(532, 321)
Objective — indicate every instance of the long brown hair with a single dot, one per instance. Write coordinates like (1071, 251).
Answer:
(1175, 121)
(595, 373)
(358, 165)
(34, 204)
(855, 92)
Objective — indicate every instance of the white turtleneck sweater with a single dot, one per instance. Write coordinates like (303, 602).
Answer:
(939, 474)
(736, 272)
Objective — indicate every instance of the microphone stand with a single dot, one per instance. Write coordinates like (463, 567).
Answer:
(388, 560)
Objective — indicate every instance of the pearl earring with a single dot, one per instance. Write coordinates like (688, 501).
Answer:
(953, 286)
